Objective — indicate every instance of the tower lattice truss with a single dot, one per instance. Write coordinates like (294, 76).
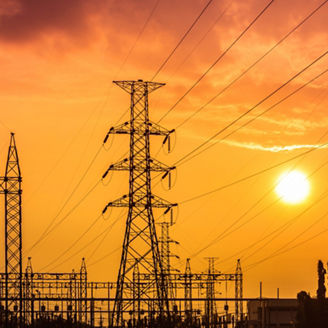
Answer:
(140, 246)
(10, 186)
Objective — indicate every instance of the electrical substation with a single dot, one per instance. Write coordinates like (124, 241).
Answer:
(148, 291)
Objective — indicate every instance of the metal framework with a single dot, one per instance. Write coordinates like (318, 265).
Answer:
(10, 186)
(140, 245)
(148, 291)
(188, 293)
(210, 308)
(239, 292)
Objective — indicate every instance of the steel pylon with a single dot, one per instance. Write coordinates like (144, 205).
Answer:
(239, 292)
(140, 246)
(11, 187)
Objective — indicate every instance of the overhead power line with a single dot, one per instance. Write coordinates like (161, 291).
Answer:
(283, 249)
(226, 233)
(181, 40)
(73, 244)
(251, 175)
(253, 65)
(188, 157)
(64, 217)
(85, 246)
(217, 59)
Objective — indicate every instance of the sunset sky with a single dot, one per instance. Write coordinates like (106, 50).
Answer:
(58, 60)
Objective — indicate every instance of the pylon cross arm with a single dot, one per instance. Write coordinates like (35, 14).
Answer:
(130, 86)
(156, 129)
(124, 165)
(161, 203)
(150, 128)
(156, 202)
(120, 129)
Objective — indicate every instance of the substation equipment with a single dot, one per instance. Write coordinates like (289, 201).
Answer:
(148, 291)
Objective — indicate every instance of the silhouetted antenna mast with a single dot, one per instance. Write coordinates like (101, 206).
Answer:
(140, 245)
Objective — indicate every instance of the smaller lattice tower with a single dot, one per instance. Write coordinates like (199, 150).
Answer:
(239, 292)
(28, 283)
(188, 291)
(83, 292)
(210, 306)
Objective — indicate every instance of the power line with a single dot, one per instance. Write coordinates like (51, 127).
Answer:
(282, 251)
(85, 246)
(251, 175)
(73, 244)
(226, 232)
(105, 235)
(201, 40)
(253, 65)
(187, 157)
(181, 40)
(105, 256)
(217, 60)
(140, 33)
(65, 217)
(97, 153)
(284, 226)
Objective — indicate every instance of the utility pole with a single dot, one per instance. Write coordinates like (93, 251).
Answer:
(140, 245)
(11, 187)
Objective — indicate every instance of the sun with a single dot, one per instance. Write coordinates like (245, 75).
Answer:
(293, 187)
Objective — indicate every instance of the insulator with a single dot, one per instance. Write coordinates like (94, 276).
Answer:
(105, 174)
(165, 139)
(171, 216)
(169, 180)
(104, 210)
(106, 138)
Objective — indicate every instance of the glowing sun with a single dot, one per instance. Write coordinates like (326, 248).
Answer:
(293, 187)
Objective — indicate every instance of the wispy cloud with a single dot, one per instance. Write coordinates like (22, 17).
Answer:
(274, 149)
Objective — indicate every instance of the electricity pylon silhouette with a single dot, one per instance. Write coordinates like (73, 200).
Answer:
(140, 245)
(239, 292)
(11, 187)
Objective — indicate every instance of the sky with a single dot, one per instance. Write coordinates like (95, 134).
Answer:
(58, 60)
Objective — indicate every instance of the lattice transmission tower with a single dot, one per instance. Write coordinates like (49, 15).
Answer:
(11, 187)
(140, 245)
(239, 292)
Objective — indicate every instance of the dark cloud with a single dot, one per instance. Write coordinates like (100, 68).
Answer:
(31, 19)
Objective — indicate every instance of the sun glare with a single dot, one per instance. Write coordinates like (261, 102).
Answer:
(293, 187)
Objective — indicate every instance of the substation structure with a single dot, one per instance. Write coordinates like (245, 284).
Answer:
(148, 292)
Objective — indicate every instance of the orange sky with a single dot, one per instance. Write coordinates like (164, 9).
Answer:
(57, 63)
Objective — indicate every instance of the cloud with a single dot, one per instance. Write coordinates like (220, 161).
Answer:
(22, 21)
(274, 149)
